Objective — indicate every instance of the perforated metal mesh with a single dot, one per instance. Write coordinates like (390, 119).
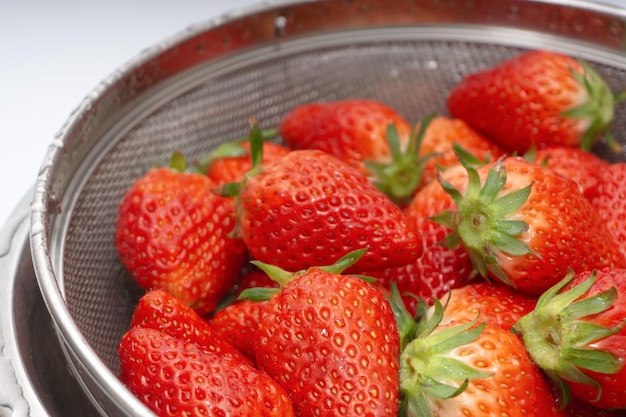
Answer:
(412, 75)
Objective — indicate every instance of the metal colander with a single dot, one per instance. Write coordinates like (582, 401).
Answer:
(199, 88)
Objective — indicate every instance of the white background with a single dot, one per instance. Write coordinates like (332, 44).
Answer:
(52, 53)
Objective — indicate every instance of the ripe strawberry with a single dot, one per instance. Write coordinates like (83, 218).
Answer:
(173, 233)
(538, 98)
(608, 197)
(231, 161)
(176, 377)
(584, 167)
(309, 209)
(496, 304)
(238, 322)
(365, 134)
(468, 369)
(351, 130)
(438, 270)
(440, 136)
(576, 335)
(332, 342)
(158, 309)
(525, 225)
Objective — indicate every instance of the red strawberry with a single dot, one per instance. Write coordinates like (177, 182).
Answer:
(525, 225)
(496, 304)
(352, 130)
(158, 309)
(475, 370)
(232, 161)
(365, 134)
(440, 136)
(332, 342)
(176, 377)
(577, 335)
(238, 322)
(584, 167)
(172, 233)
(433, 274)
(309, 209)
(538, 98)
(608, 197)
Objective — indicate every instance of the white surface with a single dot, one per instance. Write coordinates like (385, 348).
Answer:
(52, 53)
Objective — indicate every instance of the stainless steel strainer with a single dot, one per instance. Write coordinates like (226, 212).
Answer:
(199, 88)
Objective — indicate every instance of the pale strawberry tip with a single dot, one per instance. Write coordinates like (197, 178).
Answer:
(558, 338)
(425, 363)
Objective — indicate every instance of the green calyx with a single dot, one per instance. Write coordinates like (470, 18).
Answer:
(283, 277)
(428, 369)
(480, 221)
(233, 148)
(559, 338)
(400, 178)
(599, 109)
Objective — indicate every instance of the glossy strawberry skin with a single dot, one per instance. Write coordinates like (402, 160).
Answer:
(158, 309)
(564, 231)
(608, 197)
(173, 233)
(433, 274)
(441, 134)
(519, 102)
(232, 169)
(237, 323)
(309, 209)
(175, 377)
(496, 304)
(351, 130)
(583, 167)
(332, 342)
(515, 386)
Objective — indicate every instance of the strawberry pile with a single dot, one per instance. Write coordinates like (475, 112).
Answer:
(472, 264)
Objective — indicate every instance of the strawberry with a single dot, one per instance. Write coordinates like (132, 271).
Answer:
(496, 304)
(309, 209)
(176, 377)
(352, 130)
(231, 161)
(608, 197)
(525, 225)
(365, 134)
(173, 233)
(538, 98)
(332, 342)
(584, 167)
(238, 322)
(440, 136)
(470, 369)
(576, 335)
(158, 309)
(433, 274)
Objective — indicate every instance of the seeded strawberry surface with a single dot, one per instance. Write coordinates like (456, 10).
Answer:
(309, 209)
(331, 341)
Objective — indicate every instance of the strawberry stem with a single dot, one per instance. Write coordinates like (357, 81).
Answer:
(400, 178)
(480, 221)
(425, 362)
(599, 109)
(559, 339)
